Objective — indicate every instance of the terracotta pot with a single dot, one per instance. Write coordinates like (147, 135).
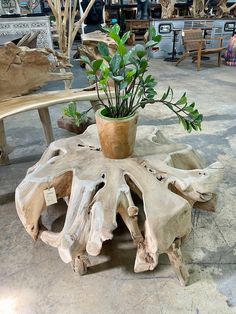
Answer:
(116, 135)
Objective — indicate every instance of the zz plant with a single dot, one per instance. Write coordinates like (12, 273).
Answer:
(126, 70)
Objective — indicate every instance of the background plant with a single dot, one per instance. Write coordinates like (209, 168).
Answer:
(71, 112)
(127, 70)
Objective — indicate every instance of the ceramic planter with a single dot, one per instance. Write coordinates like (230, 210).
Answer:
(116, 135)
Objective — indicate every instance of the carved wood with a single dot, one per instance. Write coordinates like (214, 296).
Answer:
(66, 26)
(90, 41)
(23, 70)
(40, 102)
(167, 8)
(222, 9)
(198, 9)
(95, 188)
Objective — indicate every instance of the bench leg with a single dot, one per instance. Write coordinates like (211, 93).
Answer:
(46, 123)
(3, 145)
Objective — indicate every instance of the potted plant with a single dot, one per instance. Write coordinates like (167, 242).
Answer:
(73, 120)
(125, 74)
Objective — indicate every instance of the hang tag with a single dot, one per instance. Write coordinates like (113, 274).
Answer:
(50, 196)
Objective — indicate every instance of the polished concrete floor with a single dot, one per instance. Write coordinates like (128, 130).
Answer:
(33, 279)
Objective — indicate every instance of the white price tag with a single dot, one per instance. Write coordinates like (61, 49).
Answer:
(50, 196)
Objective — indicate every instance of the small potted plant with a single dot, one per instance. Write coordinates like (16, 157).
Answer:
(73, 120)
(125, 75)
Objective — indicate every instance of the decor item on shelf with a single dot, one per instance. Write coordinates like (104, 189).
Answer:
(126, 73)
(73, 120)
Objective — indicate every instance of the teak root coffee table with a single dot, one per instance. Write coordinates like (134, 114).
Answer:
(168, 177)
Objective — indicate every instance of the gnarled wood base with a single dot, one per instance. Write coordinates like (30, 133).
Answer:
(164, 174)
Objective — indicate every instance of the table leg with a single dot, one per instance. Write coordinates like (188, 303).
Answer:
(173, 56)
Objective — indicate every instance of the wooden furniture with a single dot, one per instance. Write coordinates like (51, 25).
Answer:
(195, 47)
(23, 70)
(90, 42)
(166, 176)
(133, 26)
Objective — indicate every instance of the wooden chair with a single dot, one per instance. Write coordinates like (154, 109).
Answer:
(195, 47)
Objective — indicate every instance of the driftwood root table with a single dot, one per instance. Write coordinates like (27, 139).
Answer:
(169, 178)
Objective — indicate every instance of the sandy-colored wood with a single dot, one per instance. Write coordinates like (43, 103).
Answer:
(46, 99)
(195, 47)
(198, 8)
(117, 137)
(23, 70)
(90, 42)
(41, 102)
(222, 10)
(167, 8)
(66, 26)
(175, 257)
(46, 123)
(95, 188)
(3, 145)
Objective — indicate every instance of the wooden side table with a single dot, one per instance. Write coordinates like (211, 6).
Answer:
(165, 175)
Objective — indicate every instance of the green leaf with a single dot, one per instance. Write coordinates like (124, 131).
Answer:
(182, 100)
(139, 47)
(115, 37)
(127, 57)
(116, 29)
(126, 96)
(143, 65)
(118, 78)
(141, 54)
(169, 92)
(150, 43)
(125, 37)
(103, 49)
(123, 85)
(157, 38)
(115, 62)
(84, 59)
(121, 49)
(152, 32)
(96, 64)
(184, 123)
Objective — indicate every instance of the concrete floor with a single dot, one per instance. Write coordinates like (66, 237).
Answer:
(33, 279)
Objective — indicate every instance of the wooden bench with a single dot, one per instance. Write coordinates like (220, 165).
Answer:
(24, 70)
(41, 102)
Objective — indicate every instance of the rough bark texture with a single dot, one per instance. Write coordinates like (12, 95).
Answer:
(90, 42)
(162, 173)
(167, 8)
(198, 9)
(23, 70)
(222, 9)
